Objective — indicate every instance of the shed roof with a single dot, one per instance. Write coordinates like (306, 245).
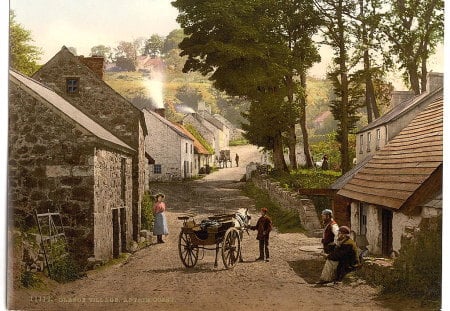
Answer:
(399, 169)
(400, 109)
(41, 92)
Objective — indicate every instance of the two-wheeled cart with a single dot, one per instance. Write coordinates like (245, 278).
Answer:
(217, 233)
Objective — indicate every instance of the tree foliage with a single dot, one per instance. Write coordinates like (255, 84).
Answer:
(102, 50)
(172, 40)
(154, 45)
(23, 55)
(414, 28)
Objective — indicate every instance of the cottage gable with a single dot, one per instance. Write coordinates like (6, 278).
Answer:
(410, 164)
(71, 113)
(92, 95)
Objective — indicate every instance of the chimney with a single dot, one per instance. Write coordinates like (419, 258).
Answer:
(161, 112)
(95, 63)
(435, 80)
(398, 97)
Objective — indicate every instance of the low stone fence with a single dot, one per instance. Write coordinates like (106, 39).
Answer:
(290, 200)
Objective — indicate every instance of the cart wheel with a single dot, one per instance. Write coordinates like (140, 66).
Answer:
(187, 250)
(231, 248)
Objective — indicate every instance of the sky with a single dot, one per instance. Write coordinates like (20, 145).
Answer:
(85, 23)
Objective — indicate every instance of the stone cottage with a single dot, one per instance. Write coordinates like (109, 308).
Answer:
(194, 120)
(404, 107)
(202, 157)
(400, 185)
(171, 149)
(62, 160)
(220, 130)
(79, 80)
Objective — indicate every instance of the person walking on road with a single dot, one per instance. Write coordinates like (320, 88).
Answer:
(160, 227)
(237, 159)
(264, 226)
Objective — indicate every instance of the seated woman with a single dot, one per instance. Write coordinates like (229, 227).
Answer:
(342, 260)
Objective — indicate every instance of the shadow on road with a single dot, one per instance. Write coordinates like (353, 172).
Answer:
(309, 270)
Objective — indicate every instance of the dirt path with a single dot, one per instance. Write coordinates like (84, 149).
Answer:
(155, 279)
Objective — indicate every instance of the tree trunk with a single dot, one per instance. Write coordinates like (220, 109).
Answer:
(278, 156)
(308, 158)
(414, 78)
(368, 81)
(292, 138)
(423, 77)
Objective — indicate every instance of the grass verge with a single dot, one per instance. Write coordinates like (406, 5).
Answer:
(286, 221)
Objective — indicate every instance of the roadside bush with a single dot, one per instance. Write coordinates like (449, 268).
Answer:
(29, 279)
(65, 270)
(147, 211)
(305, 179)
(239, 142)
(417, 271)
(284, 219)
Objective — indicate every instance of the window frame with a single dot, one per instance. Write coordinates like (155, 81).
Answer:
(157, 169)
(76, 88)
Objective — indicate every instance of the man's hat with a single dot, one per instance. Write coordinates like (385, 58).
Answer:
(327, 212)
(159, 195)
(264, 210)
(344, 229)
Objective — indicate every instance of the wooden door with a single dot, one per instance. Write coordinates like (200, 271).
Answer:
(386, 232)
(116, 233)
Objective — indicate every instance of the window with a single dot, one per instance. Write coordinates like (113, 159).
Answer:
(361, 143)
(369, 140)
(378, 139)
(157, 169)
(186, 147)
(72, 85)
(191, 149)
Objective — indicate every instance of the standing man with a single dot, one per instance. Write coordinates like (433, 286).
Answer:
(330, 231)
(342, 260)
(237, 159)
(264, 226)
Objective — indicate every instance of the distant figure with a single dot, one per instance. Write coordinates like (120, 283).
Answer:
(325, 162)
(237, 159)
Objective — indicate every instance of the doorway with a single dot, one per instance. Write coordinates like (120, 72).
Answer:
(116, 233)
(386, 232)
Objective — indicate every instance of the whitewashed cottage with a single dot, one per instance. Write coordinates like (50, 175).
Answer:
(400, 185)
(171, 149)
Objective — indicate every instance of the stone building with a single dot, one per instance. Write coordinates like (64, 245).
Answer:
(404, 107)
(171, 149)
(235, 133)
(202, 157)
(79, 80)
(195, 121)
(400, 185)
(220, 130)
(62, 160)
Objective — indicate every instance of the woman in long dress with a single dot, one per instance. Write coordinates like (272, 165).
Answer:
(160, 227)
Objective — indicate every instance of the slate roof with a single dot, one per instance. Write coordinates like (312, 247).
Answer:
(400, 109)
(198, 147)
(208, 117)
(399, 169)
(166, 122)
(41, 92)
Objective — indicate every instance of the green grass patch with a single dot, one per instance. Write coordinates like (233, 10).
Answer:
(239, 142)
(286, 221)
(306, 179)
(199, 137)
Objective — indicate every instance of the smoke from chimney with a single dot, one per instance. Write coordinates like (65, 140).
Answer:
(184, 109)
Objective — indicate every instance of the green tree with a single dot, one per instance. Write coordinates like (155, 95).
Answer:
(154, 45)
(414, 28)
(102, 50)
(234, 43)
(126, 50)
(336, 15)
(23, 56)
(172, 40)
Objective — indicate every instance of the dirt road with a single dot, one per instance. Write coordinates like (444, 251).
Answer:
(155, 279)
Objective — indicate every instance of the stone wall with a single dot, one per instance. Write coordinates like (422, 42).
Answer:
(108, 197)
(291, 200)
(104, 105)
(50, 167)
